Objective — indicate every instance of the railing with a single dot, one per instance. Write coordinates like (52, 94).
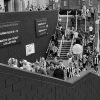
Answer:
(60, 47)
(72, 45)
(24, 85)
(83, 43)
(47, 52)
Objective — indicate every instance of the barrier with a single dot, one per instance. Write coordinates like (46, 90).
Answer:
(16, 84)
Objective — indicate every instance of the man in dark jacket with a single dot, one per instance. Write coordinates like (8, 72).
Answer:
(58, 73)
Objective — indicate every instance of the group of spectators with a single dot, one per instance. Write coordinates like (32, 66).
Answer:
(91, 56)
(54, 68)
(76, 62)
(73, 67)
(89, 59)
(82, 15)
(38, 8)
(53, 46)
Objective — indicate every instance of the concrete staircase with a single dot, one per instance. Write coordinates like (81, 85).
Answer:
(65, 49)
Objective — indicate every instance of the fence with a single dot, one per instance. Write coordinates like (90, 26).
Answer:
(21, 85)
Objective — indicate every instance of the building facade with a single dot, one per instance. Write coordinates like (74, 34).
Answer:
(77, 4)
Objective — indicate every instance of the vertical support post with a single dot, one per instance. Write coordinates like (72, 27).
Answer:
(98, 48)
(97, 35)
(52, 4)
(76, 20)
(66, 25)
(85, 23)
(67, 21)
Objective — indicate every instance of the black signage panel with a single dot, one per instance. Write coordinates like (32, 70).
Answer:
(9, 33)
(41, 27)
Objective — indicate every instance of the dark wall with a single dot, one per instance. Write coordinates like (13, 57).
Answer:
(27, 30)
(20, 85)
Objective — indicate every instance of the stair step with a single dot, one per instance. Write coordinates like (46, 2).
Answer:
(65, 53)
(64, 40)
(65, 50)
(66, 47)
(63, 56)
(66, 44)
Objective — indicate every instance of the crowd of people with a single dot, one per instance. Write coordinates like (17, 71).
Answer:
(76, 63)
(89, 59)
(53, 68)
(38, 8)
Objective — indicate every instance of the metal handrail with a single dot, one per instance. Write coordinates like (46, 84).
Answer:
(83, 44)
(72, 45)
(48, 46)
(60, 47)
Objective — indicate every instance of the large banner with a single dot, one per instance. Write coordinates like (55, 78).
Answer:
(9, 33)
(41, 27)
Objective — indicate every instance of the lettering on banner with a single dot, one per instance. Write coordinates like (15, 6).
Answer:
(9, 33)
(41, 27)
